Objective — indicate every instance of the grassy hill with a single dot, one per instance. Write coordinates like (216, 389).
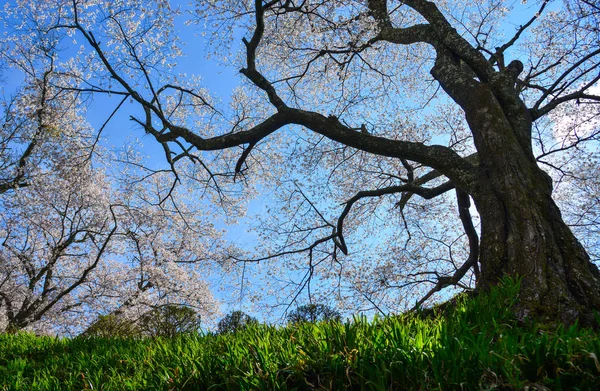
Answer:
(474, 344)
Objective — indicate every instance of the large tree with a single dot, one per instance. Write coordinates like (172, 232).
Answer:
(375, 99)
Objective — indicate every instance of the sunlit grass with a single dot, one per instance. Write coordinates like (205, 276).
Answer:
(475, 345)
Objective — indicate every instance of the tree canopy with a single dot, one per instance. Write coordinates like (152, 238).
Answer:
(169, 321)
(235, 321)
(313, 313)
(373, 129)
(166, 321)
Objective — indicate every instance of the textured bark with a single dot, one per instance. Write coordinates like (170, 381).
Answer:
(522, 232)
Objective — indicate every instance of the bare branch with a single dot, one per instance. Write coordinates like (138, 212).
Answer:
(471, 262)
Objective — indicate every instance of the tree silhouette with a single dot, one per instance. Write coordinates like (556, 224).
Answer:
(235, 321)
(313, 313)
(169, 321)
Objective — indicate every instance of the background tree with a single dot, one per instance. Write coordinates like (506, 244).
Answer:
(313, 313)
(169, 321)
(367, 104)
(235, 321)
(165, 321)
(71, 249)
(110, 326)
(76, 240)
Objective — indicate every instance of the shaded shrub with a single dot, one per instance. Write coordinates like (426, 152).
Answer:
(112, 326)
(165, 321)
(169, 321)
(313, 313)
(235, 321)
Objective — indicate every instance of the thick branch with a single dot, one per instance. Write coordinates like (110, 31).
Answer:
(464, 203)
(451, 39)
(431, 175)
(438, 157)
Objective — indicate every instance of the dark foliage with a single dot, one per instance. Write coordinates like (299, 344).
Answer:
(165, 321)
(313, 313)
(110, 325)
(235, 321)
(169, 321)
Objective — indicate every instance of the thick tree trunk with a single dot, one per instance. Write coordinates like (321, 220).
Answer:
(522, 230)
(524, 235)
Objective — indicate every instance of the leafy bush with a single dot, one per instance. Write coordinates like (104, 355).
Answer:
(313, 313)
(165, 321)
(235, 321)
(169, 321)
(107, 326)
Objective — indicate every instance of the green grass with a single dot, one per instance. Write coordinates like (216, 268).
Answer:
(475, 345)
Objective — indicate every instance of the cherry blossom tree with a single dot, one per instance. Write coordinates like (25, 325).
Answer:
(76, 241)
(74, 247)
(393, 117)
